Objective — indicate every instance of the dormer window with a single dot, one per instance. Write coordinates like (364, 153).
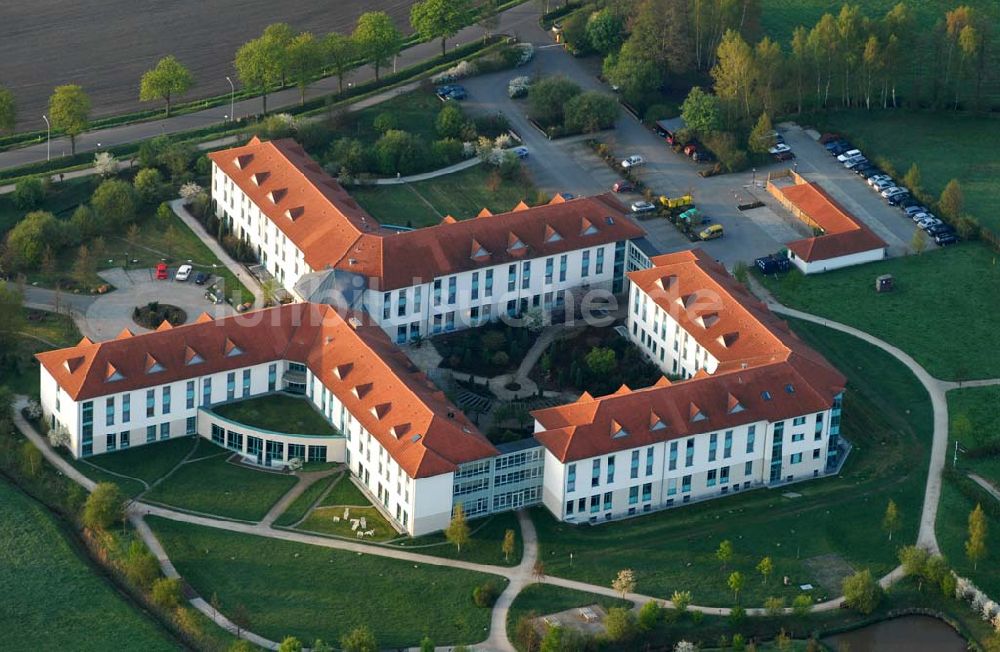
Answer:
(153, 365)
(231, 349)
(766, 395)
(113, 374)
(551, 235)
(588, 228)
(192, 357)
(617, 430)
(277, 195)
(790, 388)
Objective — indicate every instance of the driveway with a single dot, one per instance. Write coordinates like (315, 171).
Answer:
(106, 316)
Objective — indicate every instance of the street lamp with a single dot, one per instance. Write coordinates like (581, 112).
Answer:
(48, 138)
(232, 97)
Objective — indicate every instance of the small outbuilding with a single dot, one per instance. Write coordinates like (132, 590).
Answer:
(884, 283)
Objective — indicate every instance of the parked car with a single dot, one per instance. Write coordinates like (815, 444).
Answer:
(875, 178)
(884, 184)
(711, 233)
(907, 202)
(929, 223)
(945, 239)
(939, 229)
(892, 190)
(183, 273)
(875, 172)
(839, 148)
(896, 199)
(916, 208)
(161, 272)
(779, 148)
(623, 185)
(851, 153)
(829, 138)
(922, 215)
(632, 161)
(520, 152)
(773, 263)
(784, 156)
(643, 207)
(865, 170)
(852, 163)
(452, 92)
(201, 278)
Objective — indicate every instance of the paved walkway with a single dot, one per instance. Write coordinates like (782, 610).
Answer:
(306, 480)
(451, 169)
(986, 484)
(519, 19)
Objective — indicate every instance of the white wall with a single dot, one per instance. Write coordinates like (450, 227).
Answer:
(432, 503)
(818, 266)
(661, 338)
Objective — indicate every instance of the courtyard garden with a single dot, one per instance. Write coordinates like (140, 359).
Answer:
(277, 413)
(596, 360)
(301, 506)
(337, 512)
(210, 483)
(292, 589)
(459, 194)
(816, 532)
(490, 350)
(61, 602)
(136, 469)
(943, 301)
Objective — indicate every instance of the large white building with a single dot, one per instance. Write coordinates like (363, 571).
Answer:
(754, 407)
(318, 242)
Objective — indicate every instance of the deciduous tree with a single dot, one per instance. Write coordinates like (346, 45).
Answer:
(457, 532)
(439, 19)
(341, 53)
(167, 80)
(620, 624)
(765, 567)
(736, 583)
(918, 243)
(624, 582)
(975, 545)
(733, 73)
(590, 111)
(891, 519)
(29, 237)
(700, 112)
(861, 592)
(359, 639)
(104, 506)
(635, 73)
(305, 61)
(258, 65)
(508, 544)
(952, 201)
(762, 135)
(724, 553)
(378, 38)
(604, 30)
(115, 203)
(290, 644)
(69, 112)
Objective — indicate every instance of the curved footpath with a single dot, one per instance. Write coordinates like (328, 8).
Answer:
(522, 575)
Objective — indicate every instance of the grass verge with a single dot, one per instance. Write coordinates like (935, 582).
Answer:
(301, 505)
(277, 413)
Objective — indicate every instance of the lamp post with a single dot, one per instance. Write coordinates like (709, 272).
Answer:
(232, 97)
(48, 138)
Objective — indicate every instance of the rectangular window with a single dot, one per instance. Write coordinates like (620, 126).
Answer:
(488, 290)
(671, 486)
(246, 383)
(189, 395)
(511, 278)
(710, 481)
(796, 458)
(649, 461)
(386, 304)
(633, 495)
(272, 378)
(526, 275)
(110, 441)
(585, 264)
(686, 484)
(123, 439)
(595, 478)
(595, 503)
(475, 285)
(724, 475)
(401, 304)
(798, 436)
(549, 266)
(816, 453)
(751, 435)
(192, 426)
(206, 392)
(452, 289)
(230, 385)
(689, 453)
(166, 400)
(647, 492)
(713, 444)
(748, 468)
(599, 268)
(607, 500)
(673, 456)
(571, 478)
(126, 408)
(109, 411)
(727, 446)
(416, 304)
(611, 469)
(569, 508)
(799, 421)
(165, 430)
(150, 434)
(634, 470)
(562, 268)
(150, 402)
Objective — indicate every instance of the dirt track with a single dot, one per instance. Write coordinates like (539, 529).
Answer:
(106, 45)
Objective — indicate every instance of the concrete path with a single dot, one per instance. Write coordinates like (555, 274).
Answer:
(986, 484)
(306, 480)
(949, 385)
(42, 444)
(458, 167)
(512, 21)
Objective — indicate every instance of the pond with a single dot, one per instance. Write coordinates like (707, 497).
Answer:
(905, 634)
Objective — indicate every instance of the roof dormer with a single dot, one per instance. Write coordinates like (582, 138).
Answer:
(665, 283)
(153, 365)
(399, 430)
(478, 250)
(587, 227)
(521, 206)
(379, 411)
(360, 391)
(695, 413)
(551, 235)
(727, 340)
(231, 349)
(484, 213)
(733, 405)
(707, 320)
(277, 195)
(340, 371)
(295, 212)
(242, 161)
(192, 357)
(72, 364)
(514, 243)
(617, 430)
(112, 374)
(656, 422)
(259, 178)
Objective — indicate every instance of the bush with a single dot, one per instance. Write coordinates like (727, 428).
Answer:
(574, 32)
(104, 506)
(176, 158)
(500, 359)
(485, 594)
(548, 99)
(650, 615)
(661, 112)
(148, 185)
(449, 121)
(313, 135)
(166, 592)
(150, 150)
(620, 624)
(491, 125)
(28, 194)
(27, 241)
(446, 151)
(401, 152)
(723, 145)
(589, 112)
(115, 203)
(349, 156)
(385, 121)
(861, 592)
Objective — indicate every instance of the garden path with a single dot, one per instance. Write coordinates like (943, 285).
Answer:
(986, 484)
(306, 480)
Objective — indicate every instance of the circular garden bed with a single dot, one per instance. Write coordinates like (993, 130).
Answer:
(154, 313)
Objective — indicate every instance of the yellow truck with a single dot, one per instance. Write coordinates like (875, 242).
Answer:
(676, 202)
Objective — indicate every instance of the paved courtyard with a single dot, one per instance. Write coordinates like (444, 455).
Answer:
(108, 314)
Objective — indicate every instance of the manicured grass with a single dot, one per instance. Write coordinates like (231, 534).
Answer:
(313, 592)
(214, 486)
(942, 311)
(484, 546)
(545, 599)
(278, 413)
(130, 488)
(981, 406)
(944, 146)
(424, 203)
(55, 600)
(305, 501)
(149, 462)
(42, 331)
(322, 520)
(952, 529)
(414, 112)
(837, 520)
(345, 492)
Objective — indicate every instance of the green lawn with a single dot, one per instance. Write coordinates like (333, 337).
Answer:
(424, 203)
(329, 520)
(952, 529)
(944, 146)
(942, 312)
(305, 501)
(485, 546)
(836, 520)
(415, 112)
(981, 406)
(214, 486)
(278, 413)
(42, 331)
(313, 592)
(345, 492)
(55, 600)
(62, 200)
(149, 462)
(544, 599)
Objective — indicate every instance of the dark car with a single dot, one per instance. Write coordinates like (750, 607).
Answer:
(784, 156)
(945, 239)
(896, 200)
(915, 208)
(201, 278)
(909, 202)
(939, 229)
(865, 170)
(623, 186)
(840, 148)
(773, 263)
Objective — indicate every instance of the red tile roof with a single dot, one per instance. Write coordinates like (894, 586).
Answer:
(766, 373)
(330, 229)
(843, 233)
(354, 358)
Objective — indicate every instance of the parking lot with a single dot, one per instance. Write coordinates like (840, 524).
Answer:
(569, 165)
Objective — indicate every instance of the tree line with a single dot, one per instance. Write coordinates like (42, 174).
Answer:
(279, 57)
